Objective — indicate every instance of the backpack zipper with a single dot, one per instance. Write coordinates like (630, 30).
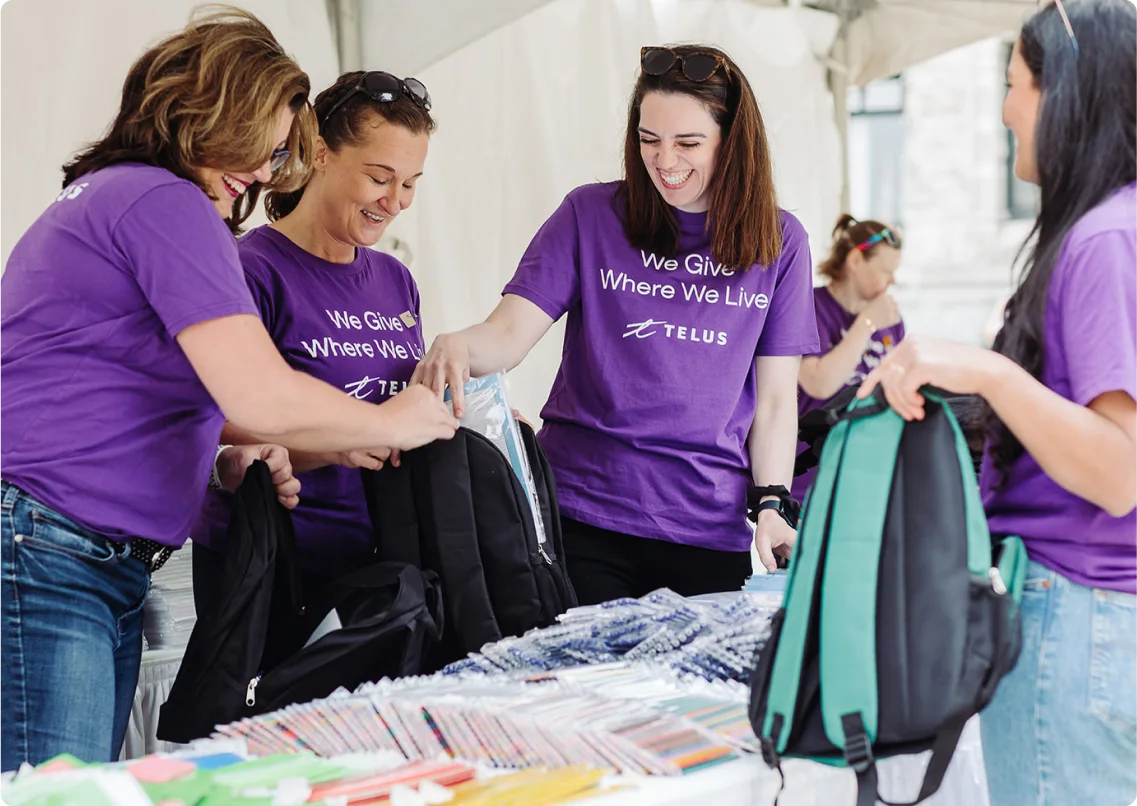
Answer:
(544, 556)
(997, 583)
(251, 692)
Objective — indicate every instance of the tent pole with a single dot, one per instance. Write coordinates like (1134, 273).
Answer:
(347, 23)
(838, 86)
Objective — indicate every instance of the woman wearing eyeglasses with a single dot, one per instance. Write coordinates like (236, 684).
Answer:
(858, 321)
(336, 309)
(129, 337)
(689, 304)
(1060, 467)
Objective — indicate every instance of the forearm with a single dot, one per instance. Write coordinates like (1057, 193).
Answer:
(772, 443)
(311, 419)
(822, 377)
(1080, 449)
(492, 347)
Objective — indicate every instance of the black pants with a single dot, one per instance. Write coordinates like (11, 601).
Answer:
(605, 565)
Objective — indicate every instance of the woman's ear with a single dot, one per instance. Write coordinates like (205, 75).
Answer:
(320, 158)
(855, 260)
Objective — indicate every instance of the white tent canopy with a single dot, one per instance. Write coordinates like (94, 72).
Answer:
(530, 96)
(877, 38)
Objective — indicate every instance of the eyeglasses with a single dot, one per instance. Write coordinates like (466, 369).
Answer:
(385, 88)
(278, 159)
(1069, 28)
(886, 235)
(696, 66)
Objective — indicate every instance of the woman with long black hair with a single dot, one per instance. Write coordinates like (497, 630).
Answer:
(1060, 467)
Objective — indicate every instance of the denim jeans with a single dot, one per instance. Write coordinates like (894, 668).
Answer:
(1062, 729)
(72, 635)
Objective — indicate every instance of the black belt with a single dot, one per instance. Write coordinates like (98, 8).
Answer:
(152, 553)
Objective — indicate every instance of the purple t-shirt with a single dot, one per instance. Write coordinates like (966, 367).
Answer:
(833, 322)
(104, 419)
(647, 420)
(353, 325)
(1090, 347)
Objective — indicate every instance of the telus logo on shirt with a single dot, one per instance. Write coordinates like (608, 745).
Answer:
(650, 327)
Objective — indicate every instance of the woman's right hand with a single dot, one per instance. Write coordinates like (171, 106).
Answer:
(417, 416)
(446, 364)
(882, 312)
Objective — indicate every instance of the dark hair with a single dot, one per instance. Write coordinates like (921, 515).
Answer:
(743, 214)
(1085, 148)
(348, 127)
(848, 234)
(209, 96)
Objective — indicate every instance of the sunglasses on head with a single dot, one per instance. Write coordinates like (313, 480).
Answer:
(695, 66)
(385, 88)
(886, 235)
(1069, 28)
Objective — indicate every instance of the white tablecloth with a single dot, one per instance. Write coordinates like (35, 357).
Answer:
(155, 679)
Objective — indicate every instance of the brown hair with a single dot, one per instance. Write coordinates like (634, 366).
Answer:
(347, 127)
(847, 235)
(209, 96)
(743, 213)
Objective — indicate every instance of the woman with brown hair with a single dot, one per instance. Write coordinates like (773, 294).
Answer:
(312, 272)
(129, 337)
(858, 321)
(688, 295)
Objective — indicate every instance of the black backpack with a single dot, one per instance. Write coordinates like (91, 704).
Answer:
(246, 654)
(814, 426)
(456, 508)
(900, 617)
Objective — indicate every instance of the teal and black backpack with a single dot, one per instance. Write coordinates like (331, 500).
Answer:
(900, 617)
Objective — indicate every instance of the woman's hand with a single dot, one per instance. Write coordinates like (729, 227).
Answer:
(371, 460)
(417, 416)
(918, 361)
(234, 460)
(772, 535)
(447, 364)
(882, 312)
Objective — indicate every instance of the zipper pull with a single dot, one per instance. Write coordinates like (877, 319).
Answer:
(251, 692)
(997, 583)
(545, 556)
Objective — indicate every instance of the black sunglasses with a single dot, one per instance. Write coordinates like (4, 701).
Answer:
(385, 88)
(695, 66)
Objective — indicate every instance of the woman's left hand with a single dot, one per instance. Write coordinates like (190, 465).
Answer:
(772, 535)
(236, 459)
(917, 361)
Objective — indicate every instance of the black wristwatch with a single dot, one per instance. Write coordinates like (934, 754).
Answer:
(785, 504)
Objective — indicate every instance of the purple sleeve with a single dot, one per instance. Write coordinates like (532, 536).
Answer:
(183, 257)
(791, 324)
(1096, 303)
(549, 272)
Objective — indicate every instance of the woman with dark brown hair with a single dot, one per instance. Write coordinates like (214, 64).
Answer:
(689, 303)
(129, 338)
(311, 272)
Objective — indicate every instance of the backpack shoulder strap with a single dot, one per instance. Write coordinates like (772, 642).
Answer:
(849, 589)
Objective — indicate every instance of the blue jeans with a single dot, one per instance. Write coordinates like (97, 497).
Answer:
(72, 635)
(1062, 729)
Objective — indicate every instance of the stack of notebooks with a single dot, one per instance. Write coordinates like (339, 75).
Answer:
(620, 717)
(168, 615)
